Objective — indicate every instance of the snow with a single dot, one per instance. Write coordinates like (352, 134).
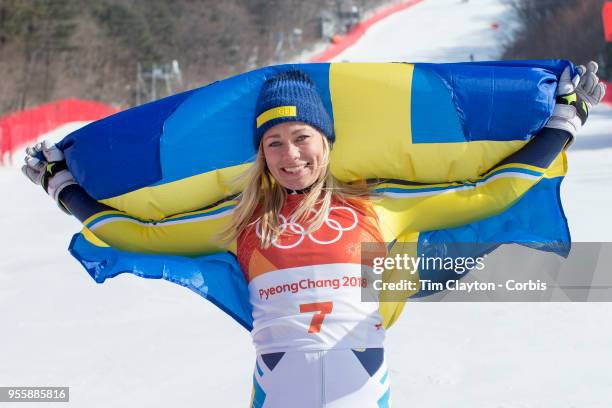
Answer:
(587, 190)
(437, 31)
(135, 342)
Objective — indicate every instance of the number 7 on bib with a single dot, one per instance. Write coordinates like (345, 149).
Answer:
(317, 319)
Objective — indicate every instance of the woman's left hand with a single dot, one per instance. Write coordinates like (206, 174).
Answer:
(576, 97)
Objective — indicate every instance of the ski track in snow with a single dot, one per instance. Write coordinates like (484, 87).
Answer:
(136, 342)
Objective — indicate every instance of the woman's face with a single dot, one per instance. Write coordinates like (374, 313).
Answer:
(294, 154)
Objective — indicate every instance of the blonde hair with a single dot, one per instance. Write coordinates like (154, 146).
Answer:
(263, 198)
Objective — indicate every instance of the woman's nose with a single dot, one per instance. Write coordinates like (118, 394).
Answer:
(292, 151)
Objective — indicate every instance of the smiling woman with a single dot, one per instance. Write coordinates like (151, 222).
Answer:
(294, 224)
(294, 277)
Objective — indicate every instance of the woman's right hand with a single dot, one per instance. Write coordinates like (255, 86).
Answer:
(45, 166)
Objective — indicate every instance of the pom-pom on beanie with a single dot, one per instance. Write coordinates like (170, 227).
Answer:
(290, 96)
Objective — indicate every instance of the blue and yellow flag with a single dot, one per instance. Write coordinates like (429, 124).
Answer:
(453, 147)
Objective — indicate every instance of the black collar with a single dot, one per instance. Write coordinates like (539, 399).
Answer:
(302, 191)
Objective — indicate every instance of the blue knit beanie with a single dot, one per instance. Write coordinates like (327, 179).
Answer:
(290, 96)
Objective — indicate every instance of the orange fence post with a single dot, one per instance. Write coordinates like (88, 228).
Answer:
(606, 13)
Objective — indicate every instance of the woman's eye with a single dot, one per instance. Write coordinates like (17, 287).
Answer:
(274, 144)
(302, 137)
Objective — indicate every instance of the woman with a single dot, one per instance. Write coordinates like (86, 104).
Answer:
(298, 233)
(299, 229)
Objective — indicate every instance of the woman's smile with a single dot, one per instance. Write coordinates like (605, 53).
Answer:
(296, 169)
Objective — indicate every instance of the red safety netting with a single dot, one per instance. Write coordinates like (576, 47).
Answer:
(20, 128)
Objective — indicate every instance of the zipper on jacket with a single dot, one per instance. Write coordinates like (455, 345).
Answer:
(323, 398)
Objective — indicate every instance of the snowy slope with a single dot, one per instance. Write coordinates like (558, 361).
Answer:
(143, 343)
(437, 31)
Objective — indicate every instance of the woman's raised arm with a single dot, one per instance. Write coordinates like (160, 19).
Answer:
(190, 234)
(424, 207)
(419, 207)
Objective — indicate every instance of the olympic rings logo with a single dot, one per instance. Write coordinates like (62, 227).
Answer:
(298, 230)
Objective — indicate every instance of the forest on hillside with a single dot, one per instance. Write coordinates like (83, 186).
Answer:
(568, 29)
(53, 49)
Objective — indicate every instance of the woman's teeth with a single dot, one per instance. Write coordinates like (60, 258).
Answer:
(294, 169)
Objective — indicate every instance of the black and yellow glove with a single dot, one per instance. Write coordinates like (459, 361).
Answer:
(576, 97)
(45, 165)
